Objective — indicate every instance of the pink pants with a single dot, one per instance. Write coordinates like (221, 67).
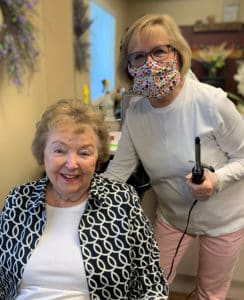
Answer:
(217, 258)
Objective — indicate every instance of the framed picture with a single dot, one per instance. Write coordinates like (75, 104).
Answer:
(231, 12)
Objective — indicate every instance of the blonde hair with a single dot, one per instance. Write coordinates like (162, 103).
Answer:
(176, 40)
(73, 111)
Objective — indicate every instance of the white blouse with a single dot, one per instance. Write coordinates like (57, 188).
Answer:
(55, 269)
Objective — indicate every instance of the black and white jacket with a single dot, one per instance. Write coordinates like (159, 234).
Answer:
(113, 213)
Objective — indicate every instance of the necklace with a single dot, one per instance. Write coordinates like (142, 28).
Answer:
(55, 198)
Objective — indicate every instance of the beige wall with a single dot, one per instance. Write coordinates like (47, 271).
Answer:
(58, 48)
(185, 12)
(21, 108)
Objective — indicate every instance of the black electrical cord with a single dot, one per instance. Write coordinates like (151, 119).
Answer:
(190, 294)
(179, 243)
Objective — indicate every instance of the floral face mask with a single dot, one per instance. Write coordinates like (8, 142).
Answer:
(154, 79)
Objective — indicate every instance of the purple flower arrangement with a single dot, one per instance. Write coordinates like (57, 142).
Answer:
(18, 46)
(81, 23)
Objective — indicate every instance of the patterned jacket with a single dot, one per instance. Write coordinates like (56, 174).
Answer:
(126, 245)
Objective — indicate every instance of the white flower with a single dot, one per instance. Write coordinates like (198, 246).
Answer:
(212, 56)
(239, 77)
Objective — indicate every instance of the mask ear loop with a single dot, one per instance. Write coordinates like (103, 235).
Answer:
(175, 55)
(177, 60)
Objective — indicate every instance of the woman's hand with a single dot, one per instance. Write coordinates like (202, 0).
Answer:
(204, 190)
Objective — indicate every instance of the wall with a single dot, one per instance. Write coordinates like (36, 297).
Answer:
(57, 30)
(21, 108)
(185, 12)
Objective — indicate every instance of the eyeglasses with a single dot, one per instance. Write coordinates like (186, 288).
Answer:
(159, 53)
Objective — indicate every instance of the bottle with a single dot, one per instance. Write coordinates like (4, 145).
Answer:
(107, 104)
(85, 94)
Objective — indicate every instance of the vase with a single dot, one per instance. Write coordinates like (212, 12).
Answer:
(212, 72)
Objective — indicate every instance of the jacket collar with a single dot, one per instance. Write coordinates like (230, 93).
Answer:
(97, 190)
(39, 193)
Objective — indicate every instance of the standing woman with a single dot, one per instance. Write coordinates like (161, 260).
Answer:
(160, 129)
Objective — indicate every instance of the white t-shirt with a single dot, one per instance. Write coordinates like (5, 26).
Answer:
(55, 269)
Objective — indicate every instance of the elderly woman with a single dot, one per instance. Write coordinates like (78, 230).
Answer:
(172, 112)
(74, 234)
